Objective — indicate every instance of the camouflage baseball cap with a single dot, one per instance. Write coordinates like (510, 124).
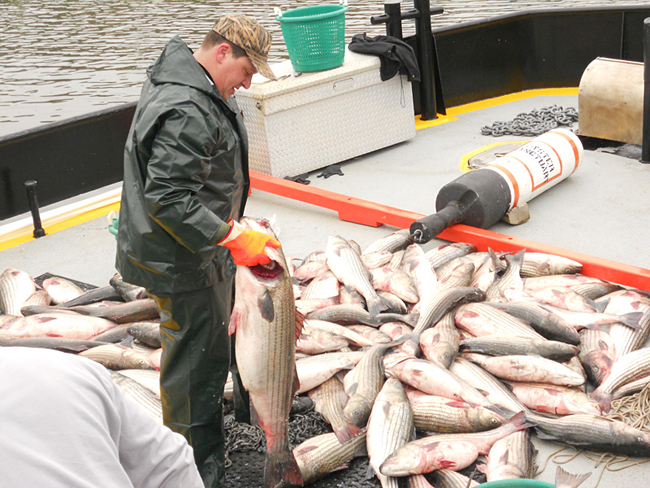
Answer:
(248, 34)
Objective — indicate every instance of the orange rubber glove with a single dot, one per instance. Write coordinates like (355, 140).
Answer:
(247, 246)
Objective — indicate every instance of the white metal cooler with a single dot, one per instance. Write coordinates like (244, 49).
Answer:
(302, 123)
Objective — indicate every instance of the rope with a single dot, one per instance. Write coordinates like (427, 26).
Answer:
(534, 123)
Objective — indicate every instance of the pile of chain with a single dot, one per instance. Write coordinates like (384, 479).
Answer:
(534, 123)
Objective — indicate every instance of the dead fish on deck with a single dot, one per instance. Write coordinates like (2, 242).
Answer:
(368, 379)
(543, 321)
(511, 457)
(265, 321)
(390, 426)
(592, 432)
(116, 357)
(126, 290)
(441, 342)
(527, 368)
(555, 399)
(441, 255)
(346, 265)
(59, 343)
(455, 451)
(432, 413)
(147, 332)
(344, 315)
(510, 281)
(323, 454)
(15, 288)
(631, 367)
(142, 395)
(135, 311)
(597, 354)
(564, 479)
(542, 264)
(562, 297)
(104, 293)
(393, 242)
(329, 399)
(505, 346)
(61, 290)
(315, 370)
(58, 324)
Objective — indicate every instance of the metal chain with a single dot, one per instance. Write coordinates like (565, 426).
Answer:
(533, 123)
(245, 437)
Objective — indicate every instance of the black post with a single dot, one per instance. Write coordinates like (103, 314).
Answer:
(645, 149)
(30, 185)
(392, 8)
(425, 52)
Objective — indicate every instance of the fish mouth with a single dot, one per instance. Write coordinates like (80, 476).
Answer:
(267, 271)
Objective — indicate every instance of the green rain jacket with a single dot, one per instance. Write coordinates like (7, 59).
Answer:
(185, 175)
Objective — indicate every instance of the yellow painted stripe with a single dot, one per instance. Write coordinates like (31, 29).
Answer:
(453, 112)
(79, 219)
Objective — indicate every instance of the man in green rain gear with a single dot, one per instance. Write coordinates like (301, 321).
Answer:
(185, 187)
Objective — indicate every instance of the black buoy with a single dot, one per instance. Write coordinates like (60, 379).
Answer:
(482, 197)
(30, 185)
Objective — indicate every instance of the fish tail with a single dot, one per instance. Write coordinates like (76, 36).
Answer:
(346, 431)
(281, 469)
(375, 305)
(631, 319)
(564, 478)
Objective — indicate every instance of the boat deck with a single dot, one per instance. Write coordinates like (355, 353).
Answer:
(599, 211)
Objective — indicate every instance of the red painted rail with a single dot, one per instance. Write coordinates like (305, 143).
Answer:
(364, 212)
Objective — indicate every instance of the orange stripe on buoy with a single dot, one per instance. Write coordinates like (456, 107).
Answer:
(576, 152)
(512, 179)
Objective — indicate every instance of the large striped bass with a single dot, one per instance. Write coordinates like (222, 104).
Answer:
(15, 288)
(512, 457)
(264, 319)
(390, 426)
(593, 432)
(346, 265)
(630, 367)
(453, 451)
(57, 324)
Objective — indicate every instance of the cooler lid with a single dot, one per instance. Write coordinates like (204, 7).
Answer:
(262, 89)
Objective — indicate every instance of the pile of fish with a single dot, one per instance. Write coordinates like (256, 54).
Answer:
(116, 325)
(423, 362)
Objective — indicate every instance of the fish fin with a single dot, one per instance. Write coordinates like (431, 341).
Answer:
(235, 320)
(255, 419)
(300, 322)
(411, 318)
(598, 306)
(564, 478)
(296, 381)
(281, 469)
(631, 319)
(347, 431)
(370, 472)
(506, 413)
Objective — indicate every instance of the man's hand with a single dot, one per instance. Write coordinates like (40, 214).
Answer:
(247, 246)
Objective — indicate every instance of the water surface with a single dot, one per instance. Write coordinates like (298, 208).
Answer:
(60, 59)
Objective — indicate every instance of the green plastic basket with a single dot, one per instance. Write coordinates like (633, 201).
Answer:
(314, 36)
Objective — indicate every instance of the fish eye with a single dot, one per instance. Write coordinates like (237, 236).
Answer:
(494, 421)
